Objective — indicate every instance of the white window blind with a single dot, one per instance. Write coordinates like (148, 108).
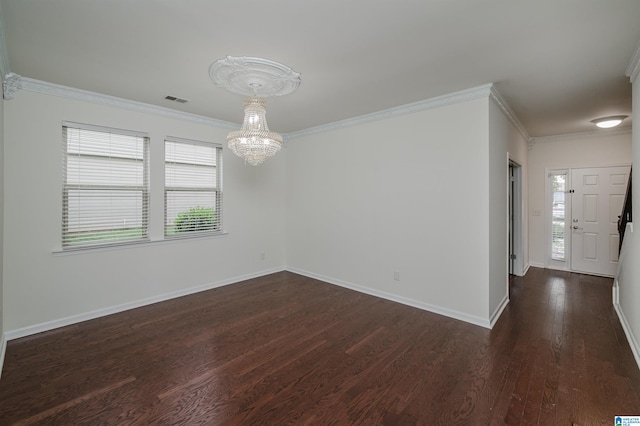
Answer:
(558, 216)
(193, 192)
(105, 189)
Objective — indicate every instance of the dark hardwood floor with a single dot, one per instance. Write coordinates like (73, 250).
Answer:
(286, 349)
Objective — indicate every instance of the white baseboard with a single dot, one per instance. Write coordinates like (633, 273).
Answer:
(526, 269)
(496, 314)
(3, 350)
(536, 265)
(74, 319)
(399, 299)
(633, 343)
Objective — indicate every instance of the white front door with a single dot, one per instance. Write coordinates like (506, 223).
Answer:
(597, 199)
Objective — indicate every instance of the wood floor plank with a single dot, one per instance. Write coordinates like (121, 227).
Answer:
(287, 349)
(41, 416)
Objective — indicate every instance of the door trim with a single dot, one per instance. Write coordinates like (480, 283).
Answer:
(548, 262)
(516, 239)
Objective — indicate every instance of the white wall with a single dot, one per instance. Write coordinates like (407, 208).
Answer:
(2, 336)
(429, 202)
(42, 290)
(628, 277)
(409, 194)
(505, 143)
(604, 148)
(519, 153)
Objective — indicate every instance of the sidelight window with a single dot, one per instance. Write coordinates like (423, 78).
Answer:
(558, 216)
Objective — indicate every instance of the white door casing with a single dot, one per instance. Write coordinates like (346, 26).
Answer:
(596, 201)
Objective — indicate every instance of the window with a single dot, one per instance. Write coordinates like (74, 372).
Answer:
(558, 215)
(192, 189)
(105, 188)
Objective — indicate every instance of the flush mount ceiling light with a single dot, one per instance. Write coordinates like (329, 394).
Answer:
(257, 79)
(608, 122)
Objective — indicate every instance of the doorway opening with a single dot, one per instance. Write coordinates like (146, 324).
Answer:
(515, 219)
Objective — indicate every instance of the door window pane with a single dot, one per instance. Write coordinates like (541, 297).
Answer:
(558, 221)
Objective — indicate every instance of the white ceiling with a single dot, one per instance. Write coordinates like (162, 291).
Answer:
(557, 63)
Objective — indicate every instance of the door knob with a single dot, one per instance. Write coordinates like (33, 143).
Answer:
(576, 227)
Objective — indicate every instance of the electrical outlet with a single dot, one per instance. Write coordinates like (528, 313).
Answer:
(396, 275)
(262, 256)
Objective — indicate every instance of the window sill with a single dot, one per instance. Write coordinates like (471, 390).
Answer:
(134, 244)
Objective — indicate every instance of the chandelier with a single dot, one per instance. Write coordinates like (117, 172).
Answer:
(254, 142)
(257, 79)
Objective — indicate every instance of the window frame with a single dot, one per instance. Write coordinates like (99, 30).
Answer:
(216, 189)
(144, 189)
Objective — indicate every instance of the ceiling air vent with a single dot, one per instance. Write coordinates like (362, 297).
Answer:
(175, 99)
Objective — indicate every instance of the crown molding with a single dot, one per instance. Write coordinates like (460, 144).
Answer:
(634, 65)
(437, 102)
(486, 90)
(502, 104)
(13, 82)
(18, 82)
(591, 134)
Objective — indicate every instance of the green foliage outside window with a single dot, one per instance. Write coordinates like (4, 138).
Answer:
(196, 219)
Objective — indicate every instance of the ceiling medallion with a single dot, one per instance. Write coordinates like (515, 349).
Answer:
(257, 79)
(254, 76)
